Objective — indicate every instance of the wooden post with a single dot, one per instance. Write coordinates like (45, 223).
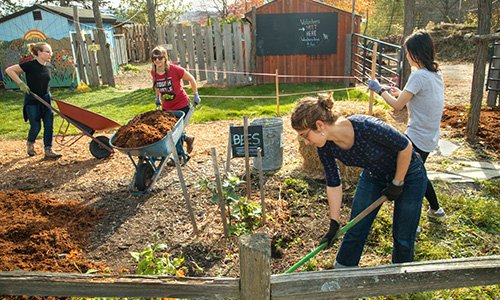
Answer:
(277, 80)
(200, 52)
(209, 43)
(347, 59)
(248, 46)
(476, 95)
(261, 186)
(373, 75)
(253, 53)
(229, 150)
(183, 183)
(222, 200)
(82, 50)
(190, 50)
(107, 69)
(228, 53)
(218, 51)
(255, 267)
(78, 57)
(247, 157)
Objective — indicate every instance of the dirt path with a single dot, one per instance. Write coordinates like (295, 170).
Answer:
(128, 223)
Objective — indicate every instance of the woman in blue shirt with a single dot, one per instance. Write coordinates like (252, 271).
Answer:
(390, 167)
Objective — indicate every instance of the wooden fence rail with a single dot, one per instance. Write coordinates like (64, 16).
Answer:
(257, 283)
(206, 51)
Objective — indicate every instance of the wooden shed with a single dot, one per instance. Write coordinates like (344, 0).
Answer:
(301, 38)
(51, 24)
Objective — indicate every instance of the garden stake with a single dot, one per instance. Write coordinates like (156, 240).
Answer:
(343, 230)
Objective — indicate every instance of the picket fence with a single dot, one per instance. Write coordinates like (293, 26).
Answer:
(217, 54)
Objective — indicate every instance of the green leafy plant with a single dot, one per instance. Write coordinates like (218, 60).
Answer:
(154, 260)
(244, 216)
(129, 67)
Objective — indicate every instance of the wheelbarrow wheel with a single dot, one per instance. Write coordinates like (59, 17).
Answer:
(99, 151)
(143, 177)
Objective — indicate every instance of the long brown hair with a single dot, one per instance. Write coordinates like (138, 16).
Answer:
(310, 109)
(159, 51)
(420, 47)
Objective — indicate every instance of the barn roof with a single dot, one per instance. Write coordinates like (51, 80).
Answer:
(85, 15)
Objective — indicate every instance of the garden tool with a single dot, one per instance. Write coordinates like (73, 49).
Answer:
(343, 230)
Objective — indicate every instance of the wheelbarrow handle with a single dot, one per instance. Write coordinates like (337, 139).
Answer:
(343, 230)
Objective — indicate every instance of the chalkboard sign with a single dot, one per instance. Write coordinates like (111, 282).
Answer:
(255, 140)
(302, 33)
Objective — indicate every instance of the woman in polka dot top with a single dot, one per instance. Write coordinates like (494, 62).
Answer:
(390, 167)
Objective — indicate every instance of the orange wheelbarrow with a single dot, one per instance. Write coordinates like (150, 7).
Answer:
(87, 122)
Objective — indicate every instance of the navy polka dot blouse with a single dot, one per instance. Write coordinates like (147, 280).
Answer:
(376, 146)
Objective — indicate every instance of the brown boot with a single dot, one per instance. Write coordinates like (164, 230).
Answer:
(189, 143)
(50, 154)
(31, 148)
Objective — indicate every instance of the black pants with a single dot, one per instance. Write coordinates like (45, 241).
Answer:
(430, 194)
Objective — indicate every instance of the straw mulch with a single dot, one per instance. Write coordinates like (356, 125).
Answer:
(312, 166)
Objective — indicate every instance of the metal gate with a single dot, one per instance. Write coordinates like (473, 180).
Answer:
(389, 60)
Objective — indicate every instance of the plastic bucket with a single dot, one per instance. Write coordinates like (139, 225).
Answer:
(272, 130)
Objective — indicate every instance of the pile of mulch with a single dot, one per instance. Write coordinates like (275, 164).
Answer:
(39, 233)
(145, 129)
(455, 117)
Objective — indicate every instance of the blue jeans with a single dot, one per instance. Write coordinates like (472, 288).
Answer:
(405, 217)
(36, 113)
(179, 145)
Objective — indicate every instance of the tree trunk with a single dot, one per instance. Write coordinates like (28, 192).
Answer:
(476, 96)
(107, 69)
(409, 24)
(153, 37)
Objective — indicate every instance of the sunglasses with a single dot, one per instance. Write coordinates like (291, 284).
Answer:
(158, 57)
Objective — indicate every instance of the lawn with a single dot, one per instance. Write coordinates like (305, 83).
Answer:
(121, 106)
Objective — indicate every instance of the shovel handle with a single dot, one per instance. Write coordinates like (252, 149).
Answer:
(342, 230)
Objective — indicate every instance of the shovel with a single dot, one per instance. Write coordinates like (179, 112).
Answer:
(343, 230)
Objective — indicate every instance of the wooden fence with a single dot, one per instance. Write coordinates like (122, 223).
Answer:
(212, 53)
(120, 49)
(256, 281)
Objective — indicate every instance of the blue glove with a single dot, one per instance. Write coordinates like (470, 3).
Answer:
(374, 85)
(196, 98)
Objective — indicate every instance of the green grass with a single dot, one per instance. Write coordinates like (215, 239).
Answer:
(471, 229)
(121, 106)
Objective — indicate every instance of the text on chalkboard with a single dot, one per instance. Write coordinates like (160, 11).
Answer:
(255, 140)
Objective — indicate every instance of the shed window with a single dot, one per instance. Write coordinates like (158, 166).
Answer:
(37, 15)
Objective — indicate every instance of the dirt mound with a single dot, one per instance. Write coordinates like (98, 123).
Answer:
(42, 234)
(145, 129)
(455, 117)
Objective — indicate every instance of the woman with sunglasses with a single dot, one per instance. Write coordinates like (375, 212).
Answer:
(167, 83)
(424, 97)
(390, 167)
(38, 76)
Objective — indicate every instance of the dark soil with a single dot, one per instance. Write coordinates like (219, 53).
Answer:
(455, 117)
(145, 129)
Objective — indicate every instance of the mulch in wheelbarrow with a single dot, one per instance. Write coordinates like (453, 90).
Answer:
(145, 129)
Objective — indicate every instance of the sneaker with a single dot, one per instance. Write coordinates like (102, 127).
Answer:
(189, 143)
(436, 214)
(31, 148)
(50, 154)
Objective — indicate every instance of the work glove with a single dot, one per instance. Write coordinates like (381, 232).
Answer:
(24, 87)
(392, 191)
(196, 98)
(328, 237)
(374, 85)
(158, 102)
